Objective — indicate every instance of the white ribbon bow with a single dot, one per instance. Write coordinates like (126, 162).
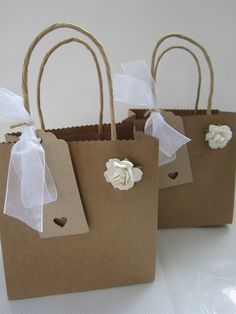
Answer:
(137, 87)
(29, 183)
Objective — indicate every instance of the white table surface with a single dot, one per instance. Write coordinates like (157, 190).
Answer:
(195, 273)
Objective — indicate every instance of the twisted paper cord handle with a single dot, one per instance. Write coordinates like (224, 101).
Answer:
(207, 58)
(100, 48)
(41, 71)
(198, 68)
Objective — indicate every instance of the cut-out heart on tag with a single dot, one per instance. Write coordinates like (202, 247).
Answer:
(60, 221)
(173, 175)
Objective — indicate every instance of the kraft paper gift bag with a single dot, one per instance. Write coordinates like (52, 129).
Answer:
(208, 199)
(116, 194)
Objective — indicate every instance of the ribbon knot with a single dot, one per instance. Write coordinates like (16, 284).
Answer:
(137, 87)
(29, 182)
(152, 110)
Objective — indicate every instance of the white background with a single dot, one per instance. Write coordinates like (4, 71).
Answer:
(196, 270)
(128, 30)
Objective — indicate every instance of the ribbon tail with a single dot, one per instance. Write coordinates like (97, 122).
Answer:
(133, 91)
(164, 159)
(170, 140)
(29, 184)
(50, 190)
(173, 140)
(11, 108)
(15, 204)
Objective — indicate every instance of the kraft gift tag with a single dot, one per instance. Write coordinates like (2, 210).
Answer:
(66, 215)
(178, 171)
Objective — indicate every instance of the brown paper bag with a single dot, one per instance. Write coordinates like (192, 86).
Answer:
(209, 199)
(119, 248)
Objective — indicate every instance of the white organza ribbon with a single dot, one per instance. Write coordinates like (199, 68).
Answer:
(136, 87)
(29, 183)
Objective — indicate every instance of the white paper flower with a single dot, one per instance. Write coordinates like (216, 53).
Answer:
(218, 136)
(122, 174)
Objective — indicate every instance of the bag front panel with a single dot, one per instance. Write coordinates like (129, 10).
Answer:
(120, 247)
(209, 199)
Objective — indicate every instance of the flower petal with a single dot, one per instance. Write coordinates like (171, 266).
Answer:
(137, 174)
(218, 136)
(127, 163)
(107, 175)
(110, 162)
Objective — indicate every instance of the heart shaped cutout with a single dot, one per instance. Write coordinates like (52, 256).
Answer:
(60, 221)
(173, 175)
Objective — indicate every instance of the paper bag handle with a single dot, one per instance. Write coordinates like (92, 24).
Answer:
(41, 71)
(198, 69)
(205, 53)
(101, 50)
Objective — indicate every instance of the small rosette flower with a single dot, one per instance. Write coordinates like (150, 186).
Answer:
(122, 174)
(218, 136)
